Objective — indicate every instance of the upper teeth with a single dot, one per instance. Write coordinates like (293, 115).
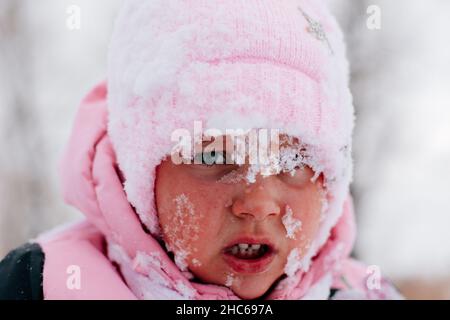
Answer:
(249, 246)
(246, 249)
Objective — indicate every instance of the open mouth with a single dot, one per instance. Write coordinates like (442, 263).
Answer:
(249, 256)
(248, 251)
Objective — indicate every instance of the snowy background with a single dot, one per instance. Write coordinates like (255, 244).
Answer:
(401, 86)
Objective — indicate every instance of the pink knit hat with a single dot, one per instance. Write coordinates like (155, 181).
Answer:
(231, 64)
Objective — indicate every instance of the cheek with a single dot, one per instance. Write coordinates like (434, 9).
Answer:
(305, 211)
(192, 214)
(180, 225)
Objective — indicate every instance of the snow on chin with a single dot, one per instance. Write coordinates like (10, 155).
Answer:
(229, 280)
(291, 224)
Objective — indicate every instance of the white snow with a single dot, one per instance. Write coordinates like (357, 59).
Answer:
(321, 289)
(294, 263)
(252, 172)
(230, 279)
(186, 291)
(184, 227)
(416, 121)
(153, 286)
(147, 260)
(183, 206)
(232, 177)
(152, 60)
(196, 262)
(291, 224)
(180, 259)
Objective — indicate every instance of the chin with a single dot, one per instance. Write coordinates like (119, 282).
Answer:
(248, 292)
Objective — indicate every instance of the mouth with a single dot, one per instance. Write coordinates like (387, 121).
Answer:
(249, 255)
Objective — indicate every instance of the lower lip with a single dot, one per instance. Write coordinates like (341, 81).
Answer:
(249, 265)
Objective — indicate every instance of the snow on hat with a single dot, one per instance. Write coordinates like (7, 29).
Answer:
(231, 64)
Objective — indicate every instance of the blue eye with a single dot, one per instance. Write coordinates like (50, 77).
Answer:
(210, 158)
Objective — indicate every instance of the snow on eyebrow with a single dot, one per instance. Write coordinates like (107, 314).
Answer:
(291, 224)
(290, 159)
(232, 177)
(294, 263)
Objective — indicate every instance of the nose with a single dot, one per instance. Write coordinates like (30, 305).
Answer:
(258, 200)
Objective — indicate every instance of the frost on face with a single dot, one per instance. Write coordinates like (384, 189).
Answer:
(232, 177)
(293, 263)
(229, 281)
(289, 157)
(324, 205)
(184, 227)
(289, 160)
(252, 172)
(183, 206)
(291, 224)
(196, 262)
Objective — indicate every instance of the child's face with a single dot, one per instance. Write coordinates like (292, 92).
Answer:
(206, 211)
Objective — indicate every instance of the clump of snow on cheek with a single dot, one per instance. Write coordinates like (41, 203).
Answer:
(232, 280)
(196, 263)
(229, 280)
(183, 229)
(291, 224)
(294, 263)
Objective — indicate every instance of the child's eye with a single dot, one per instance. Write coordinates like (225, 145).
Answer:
(210, 158)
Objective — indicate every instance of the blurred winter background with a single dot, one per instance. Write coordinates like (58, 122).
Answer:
(401, 87)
